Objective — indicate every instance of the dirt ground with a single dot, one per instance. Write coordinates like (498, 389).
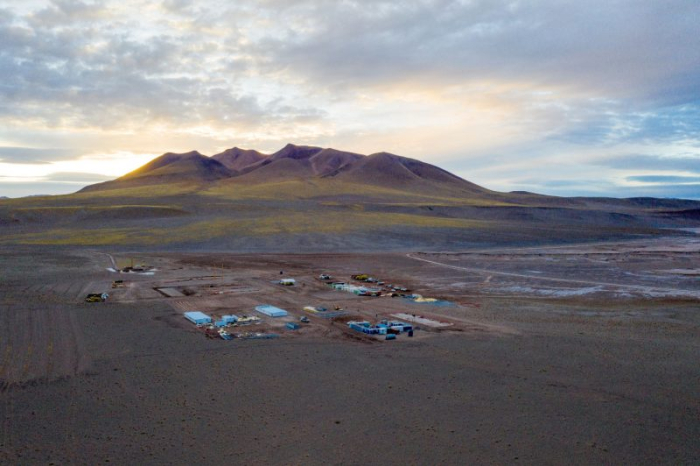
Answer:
(574, 354)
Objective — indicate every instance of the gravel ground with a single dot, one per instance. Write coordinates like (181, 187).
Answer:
(523, 378)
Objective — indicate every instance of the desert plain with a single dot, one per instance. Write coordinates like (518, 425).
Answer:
(574, 353)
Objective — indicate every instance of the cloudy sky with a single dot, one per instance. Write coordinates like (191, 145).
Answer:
(597, 97)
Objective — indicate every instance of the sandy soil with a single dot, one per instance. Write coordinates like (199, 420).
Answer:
(577, 355)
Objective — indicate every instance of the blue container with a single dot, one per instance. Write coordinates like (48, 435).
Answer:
(391, 336)
(292, 326)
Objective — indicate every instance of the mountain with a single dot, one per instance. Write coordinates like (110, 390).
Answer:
(306, 198)
(237, 159)
(249, 167)
(189, 167)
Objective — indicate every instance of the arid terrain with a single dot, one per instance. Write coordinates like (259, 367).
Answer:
(545, 330)
(353, 233)
(310, 199)
(577, 354)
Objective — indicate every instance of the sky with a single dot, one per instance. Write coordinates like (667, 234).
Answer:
(597, 98)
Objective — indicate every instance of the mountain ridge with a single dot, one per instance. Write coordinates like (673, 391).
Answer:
(248, 166)
(306, 198)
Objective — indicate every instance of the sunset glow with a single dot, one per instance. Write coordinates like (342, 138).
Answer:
(560, 98)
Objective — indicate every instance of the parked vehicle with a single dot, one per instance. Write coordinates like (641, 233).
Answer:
(96, 297)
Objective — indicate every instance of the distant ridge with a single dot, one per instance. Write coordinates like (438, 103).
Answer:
(292, 162)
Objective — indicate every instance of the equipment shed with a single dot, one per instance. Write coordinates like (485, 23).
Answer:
(197, 317)
(229, 319)
(271, 311)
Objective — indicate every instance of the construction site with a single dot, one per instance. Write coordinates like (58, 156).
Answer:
(227, 303)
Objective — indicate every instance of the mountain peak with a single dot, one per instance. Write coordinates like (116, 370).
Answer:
(192, 153)
(237, 159)
(292, 151)
(385, 156)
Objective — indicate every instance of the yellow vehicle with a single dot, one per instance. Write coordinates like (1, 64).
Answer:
(96, 297)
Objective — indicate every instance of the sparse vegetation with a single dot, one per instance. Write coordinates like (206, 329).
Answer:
(283, 224)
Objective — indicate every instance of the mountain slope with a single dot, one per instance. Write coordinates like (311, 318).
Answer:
(394, 171)
(190, 167)
(330, 162)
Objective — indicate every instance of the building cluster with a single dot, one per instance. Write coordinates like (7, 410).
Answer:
(384, 327)
(389, 329)
(378, 288)
(217, 328)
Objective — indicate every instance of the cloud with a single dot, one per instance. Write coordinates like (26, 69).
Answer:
(34, 155)
(178, 6)
(687, 163)
(99, 73)
(22, 189)
(678, 191)
(484, 86)
(60, 12)
(607, 123)
(664, 179)
(602, 188)
(620, 49)
(78, 177)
